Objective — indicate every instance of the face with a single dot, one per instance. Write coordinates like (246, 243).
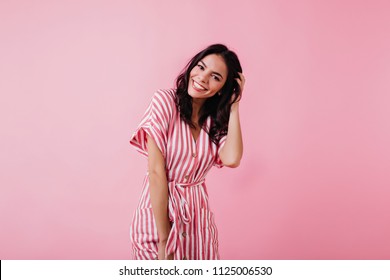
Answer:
(207, 77)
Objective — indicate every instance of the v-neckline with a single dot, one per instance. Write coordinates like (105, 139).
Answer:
(193, 136)
(200, 132)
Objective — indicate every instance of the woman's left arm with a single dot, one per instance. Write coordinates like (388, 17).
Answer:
(231, 152)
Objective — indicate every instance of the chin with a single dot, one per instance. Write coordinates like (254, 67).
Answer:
(197, 95)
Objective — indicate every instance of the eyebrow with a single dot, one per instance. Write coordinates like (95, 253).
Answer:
(216, 73)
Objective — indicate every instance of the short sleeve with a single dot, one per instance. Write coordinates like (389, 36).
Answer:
(154, 123)
(218, 162)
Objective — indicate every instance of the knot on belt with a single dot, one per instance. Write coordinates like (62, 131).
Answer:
(179, 212)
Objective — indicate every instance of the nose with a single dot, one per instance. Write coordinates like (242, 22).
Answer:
(203, 78)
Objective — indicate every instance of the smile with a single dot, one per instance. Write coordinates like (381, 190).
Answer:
(198, 86)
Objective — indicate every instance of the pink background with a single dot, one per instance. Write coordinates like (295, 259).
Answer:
(76, 77)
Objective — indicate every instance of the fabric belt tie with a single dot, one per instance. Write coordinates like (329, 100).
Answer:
(179, 212)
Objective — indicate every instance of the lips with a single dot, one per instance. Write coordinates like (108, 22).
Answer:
(197, 86)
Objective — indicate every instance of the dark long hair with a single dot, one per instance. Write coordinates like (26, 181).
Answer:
(217, 106)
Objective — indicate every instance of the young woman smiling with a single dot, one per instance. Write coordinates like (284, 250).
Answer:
(184, 133)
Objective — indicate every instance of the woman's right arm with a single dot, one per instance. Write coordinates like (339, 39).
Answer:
(158, 187)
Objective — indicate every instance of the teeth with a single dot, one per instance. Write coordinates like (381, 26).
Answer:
(198, 86)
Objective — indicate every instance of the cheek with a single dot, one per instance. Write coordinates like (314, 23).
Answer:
(193, 72)
(217, 86)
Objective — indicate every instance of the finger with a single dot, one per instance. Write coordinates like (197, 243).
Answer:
(240, 83)
(242, 78)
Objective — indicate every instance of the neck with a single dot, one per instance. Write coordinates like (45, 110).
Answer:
(196, 106)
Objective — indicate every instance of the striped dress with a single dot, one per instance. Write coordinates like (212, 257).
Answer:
(194, 233)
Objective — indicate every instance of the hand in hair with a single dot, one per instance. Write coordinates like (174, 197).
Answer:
(241, 83)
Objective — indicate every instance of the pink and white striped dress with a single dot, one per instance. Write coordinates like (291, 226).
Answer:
(194, 234)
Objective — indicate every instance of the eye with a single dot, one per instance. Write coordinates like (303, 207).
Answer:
(215, 77)
(200, 66)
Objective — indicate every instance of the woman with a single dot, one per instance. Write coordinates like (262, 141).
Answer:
(184, 132)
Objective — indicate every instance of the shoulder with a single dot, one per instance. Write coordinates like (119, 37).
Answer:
(165, 96)
(164, 100)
